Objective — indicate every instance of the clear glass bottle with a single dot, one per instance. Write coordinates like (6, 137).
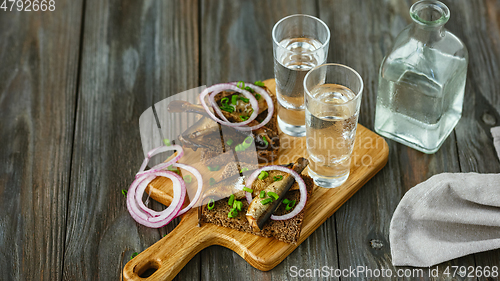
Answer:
(422, 81)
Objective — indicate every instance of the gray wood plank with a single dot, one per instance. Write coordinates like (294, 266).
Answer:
(236, 37)
(39, 65)
(237, 45)
(134, 53)
(479, 28)
(362, 34)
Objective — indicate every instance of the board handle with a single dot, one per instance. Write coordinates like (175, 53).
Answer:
(180, 246)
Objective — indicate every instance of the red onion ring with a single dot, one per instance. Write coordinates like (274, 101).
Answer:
(254, 104)
(217, 88)
(152, 218)
(162, 218)
(270, 107)
(216, 108)
(298, 179)
(153, 215)
(199, 179)
(161, 166)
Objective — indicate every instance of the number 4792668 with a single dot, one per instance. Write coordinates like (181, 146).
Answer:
(28, 5)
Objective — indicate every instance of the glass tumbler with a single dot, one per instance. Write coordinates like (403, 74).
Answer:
(332, 101)
(300, 42)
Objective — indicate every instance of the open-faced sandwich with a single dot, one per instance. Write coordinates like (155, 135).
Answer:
(237, 121)
(269, 203)
(233, 116)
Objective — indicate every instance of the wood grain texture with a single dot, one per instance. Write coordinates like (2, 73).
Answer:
(363, 222)
(134, 53)
(480, 31)
(236, 44)
(170, 254)
(39, 66)
(365, 32)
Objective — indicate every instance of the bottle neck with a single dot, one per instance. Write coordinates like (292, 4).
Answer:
(429, 18)
(427, 35)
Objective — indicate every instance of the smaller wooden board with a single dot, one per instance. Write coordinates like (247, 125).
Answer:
(172, 252)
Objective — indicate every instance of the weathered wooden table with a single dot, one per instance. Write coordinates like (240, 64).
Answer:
(74, 82)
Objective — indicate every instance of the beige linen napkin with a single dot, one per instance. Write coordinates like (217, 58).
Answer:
(445, 217)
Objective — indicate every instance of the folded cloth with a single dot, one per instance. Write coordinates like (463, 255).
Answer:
(445, 217)
(495, 132)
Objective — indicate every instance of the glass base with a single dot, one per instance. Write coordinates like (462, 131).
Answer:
(328, 182)
(424, 137)
(405, 140)
(292, 130)
(408, 143)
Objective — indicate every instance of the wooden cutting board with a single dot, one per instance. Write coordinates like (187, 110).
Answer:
(173, 251)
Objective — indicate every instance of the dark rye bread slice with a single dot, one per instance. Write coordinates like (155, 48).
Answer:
(287, 231)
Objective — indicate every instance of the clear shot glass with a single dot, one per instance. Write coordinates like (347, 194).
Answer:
(332, 101)
(300, 42)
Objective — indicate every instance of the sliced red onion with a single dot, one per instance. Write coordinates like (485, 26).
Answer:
(248, 195)
(151, 218)
(253, 102)
(161, 166)
(152, 214)
(298, 179)
(270, 108)
(143, 166)
(199, 178)
(217, 88)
